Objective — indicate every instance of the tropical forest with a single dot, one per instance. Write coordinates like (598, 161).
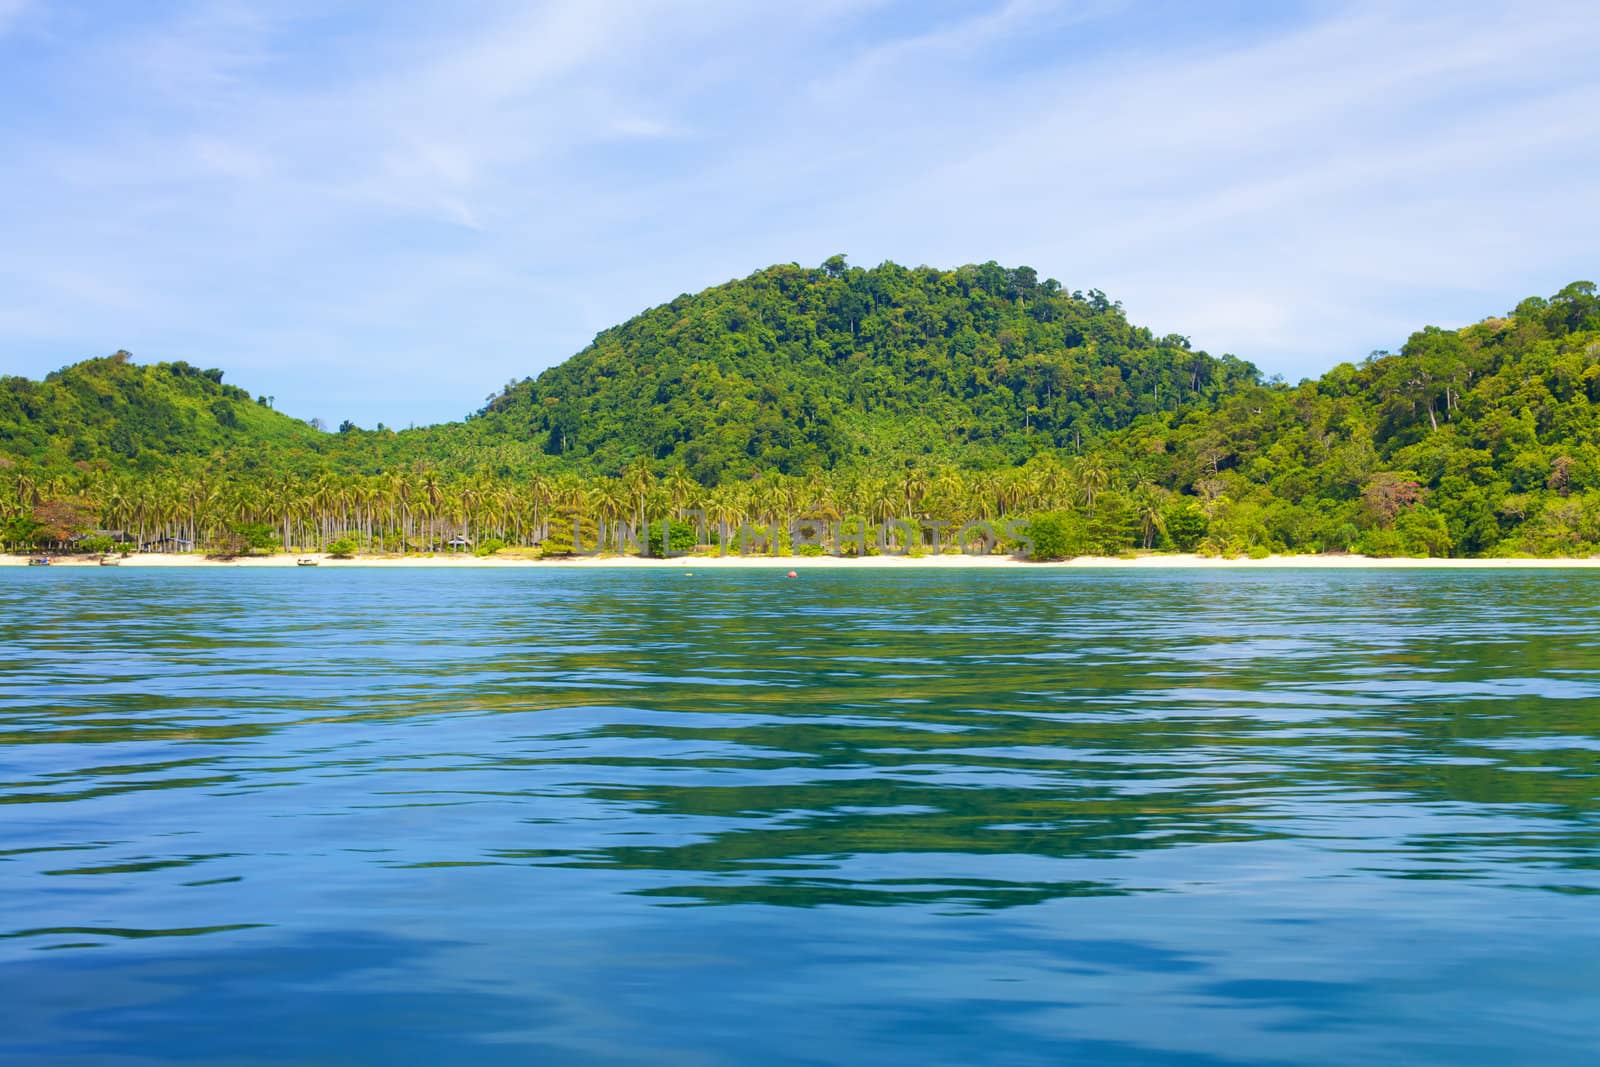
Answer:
(923, 398)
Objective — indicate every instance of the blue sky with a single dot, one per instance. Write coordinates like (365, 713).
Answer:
(385, 211)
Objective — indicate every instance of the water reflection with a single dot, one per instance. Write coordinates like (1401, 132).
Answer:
(1132, 818)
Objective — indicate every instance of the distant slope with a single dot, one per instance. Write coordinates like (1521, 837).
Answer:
(791, 369)
(800, 369)
(139, 416)
(1467, 441)
(946, 394)
(1476, 440)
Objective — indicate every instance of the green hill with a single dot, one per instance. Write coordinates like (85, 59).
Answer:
(919, 393)
(791, 369)
(799, 369)
(1465, 441)
(139, 417)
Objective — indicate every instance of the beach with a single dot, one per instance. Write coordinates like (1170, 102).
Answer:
(1151, 561)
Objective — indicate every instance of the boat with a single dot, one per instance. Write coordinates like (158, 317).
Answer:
(110, 561)
(305, 563)
(40, 561)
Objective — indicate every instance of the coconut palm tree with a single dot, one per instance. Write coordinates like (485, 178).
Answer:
(1092, 476)
(1149, 505)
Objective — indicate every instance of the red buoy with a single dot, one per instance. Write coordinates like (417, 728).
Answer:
(792, 574)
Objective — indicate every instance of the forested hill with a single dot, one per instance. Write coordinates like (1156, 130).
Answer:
(800, 369)
(1474, 441)
(112, 410)
(887, 392)
(791, 369)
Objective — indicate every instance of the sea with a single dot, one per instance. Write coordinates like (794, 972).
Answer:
(1193, 817)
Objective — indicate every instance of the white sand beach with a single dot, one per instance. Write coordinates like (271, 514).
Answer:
(1151, 561)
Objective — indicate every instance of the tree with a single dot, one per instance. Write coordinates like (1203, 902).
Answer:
(21, 531)
(1149, 512)
(682, 538)
(1386, 495)
(1056, 535)
(884, 393)
(1186, 524)
(1093, 476)
(60, 520)
(255, 536)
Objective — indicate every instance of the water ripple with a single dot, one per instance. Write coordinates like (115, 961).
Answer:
(1195, 818)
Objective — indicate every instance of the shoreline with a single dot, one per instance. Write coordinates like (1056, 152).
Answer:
(1153, 561)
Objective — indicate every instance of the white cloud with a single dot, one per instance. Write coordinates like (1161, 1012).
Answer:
(1365, 153)
(278, 191)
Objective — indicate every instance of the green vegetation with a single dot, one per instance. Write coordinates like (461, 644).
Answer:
(241, 539)
(803, 371)
(867, 396)
(680, 537)
(1057, 535)
(343, 548)
(141, 418)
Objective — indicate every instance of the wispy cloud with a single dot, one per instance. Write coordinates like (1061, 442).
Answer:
(383, 212)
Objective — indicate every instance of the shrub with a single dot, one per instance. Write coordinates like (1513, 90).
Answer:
(558, 543)
(683, 538)
(227, 546)
(21, 531)
(1056, 535)
(1186, 525)
(255, 536)
(853, 533)
(488, 546)
(1425, 533)
(343, 548)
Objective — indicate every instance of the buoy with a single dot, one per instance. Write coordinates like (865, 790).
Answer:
(792, 574)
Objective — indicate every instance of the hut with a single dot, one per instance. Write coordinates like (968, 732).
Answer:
(168, 543)
(121, 539)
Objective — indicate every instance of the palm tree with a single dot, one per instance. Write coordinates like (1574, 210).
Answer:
(432, 500)
(1093, 476)
(638, 481)
(681, 490)
(724, 509)
(913, 484)
(1149, 502)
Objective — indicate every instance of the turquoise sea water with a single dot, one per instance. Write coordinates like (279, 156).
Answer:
(500, 817)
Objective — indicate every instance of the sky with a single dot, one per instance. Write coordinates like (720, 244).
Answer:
(385, 211)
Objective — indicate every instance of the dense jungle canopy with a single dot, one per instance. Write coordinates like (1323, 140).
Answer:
(889, 392)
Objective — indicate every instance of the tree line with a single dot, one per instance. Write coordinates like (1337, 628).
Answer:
(920, 395)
